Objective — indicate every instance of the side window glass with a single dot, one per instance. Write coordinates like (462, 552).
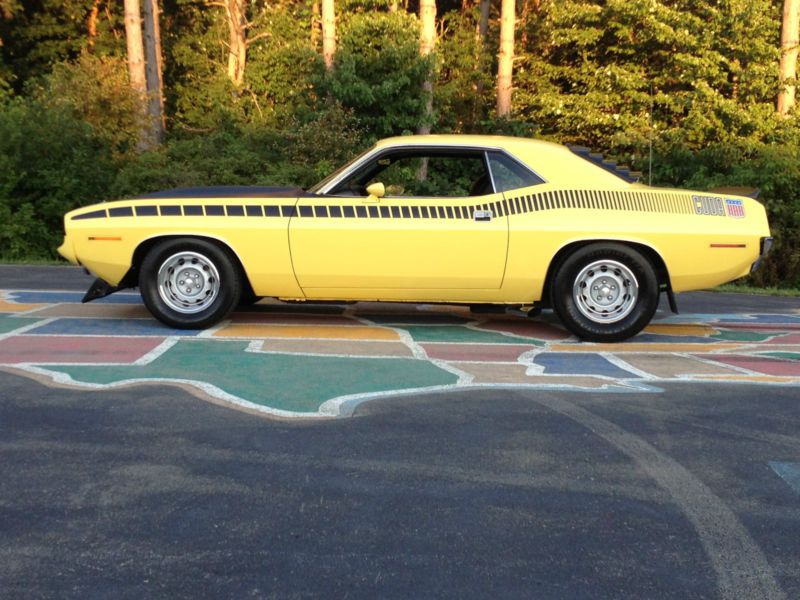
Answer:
(418, 173)
(435, 176)
(509, 174)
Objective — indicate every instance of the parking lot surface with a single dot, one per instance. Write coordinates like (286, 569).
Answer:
(485, 456)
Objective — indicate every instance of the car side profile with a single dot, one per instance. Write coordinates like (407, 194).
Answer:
(455, 219)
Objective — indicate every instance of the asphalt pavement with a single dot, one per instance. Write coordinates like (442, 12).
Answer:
(150, 492)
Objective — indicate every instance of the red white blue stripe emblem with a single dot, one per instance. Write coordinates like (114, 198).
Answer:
(735, 208)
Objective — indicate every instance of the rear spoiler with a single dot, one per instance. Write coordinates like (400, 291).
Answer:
(609, 165)
(747, 192)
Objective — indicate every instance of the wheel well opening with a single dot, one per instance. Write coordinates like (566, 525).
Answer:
(660, 268)
(131, 278)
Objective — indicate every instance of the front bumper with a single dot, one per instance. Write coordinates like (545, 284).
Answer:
(67, 250)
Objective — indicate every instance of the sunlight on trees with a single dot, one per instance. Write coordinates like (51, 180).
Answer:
(280, 92)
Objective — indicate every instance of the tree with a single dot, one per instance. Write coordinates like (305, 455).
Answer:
(480, 42)
(427, 43)
(153, 71)
(790, 38)
(328, 33)
(136, 68)
(235, 12)
(505, 58)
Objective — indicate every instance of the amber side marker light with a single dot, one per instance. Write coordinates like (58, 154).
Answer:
(104, 239)
(729, 245)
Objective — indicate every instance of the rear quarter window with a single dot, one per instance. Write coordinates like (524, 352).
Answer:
(509, 174)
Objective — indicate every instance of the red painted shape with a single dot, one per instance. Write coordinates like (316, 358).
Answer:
(789, 338)
(531, 329)
(43, 349)
(760, 364)
(476, 352)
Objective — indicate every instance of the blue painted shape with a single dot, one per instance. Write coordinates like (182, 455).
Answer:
(568, 363)
(761, 319)
(112, 327)
(789, 472)
(720, 318)
(44, 297)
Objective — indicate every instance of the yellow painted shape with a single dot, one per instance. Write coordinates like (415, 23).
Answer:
(257, 330)
(643, 348)
(670, 366)
(681, 329)
(11, 307)
(357, 348)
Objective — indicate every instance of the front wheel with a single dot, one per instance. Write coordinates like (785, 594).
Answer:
(189, 283)
(605, 292)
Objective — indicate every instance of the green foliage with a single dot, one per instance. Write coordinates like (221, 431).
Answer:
(49, 161)
(95, 89)
(465, 84)
(617, 73)
(379, 72)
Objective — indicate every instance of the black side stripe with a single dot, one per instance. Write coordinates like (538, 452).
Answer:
(624, 201)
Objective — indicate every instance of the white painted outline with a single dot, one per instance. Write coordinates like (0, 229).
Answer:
(343, 406)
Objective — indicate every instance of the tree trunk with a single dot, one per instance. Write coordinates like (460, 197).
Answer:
(480, 44)
(91, 25)
(315, 24)
(427, 43)
(153, 70)
(136, 74)
(133, 38)
(790, 37)
(505, 58)
(235, 11)
(328, 33)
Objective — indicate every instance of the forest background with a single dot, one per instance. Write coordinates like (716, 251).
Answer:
(282, 92)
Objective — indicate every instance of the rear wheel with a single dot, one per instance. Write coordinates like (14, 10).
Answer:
(189, 283)
(605, 292)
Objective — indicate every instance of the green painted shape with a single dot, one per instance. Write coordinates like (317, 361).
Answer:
(284, 381)
(783, 355)
(9, 323)
(455, 333)
(732, 335)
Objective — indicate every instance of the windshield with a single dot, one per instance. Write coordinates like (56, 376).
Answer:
(314, 189)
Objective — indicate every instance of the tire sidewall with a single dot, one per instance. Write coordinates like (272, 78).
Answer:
(564, 304)
(226, 300)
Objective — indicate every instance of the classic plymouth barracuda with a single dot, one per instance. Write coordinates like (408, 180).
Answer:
(458, 219)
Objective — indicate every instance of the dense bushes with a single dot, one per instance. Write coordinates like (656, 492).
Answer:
(51, 162)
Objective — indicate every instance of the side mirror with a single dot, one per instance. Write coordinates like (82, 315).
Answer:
(376, 190)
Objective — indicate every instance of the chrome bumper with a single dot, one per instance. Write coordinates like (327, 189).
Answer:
(766, 245)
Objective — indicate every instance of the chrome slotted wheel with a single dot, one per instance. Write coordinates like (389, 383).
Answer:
(605, 291)
(188, 282)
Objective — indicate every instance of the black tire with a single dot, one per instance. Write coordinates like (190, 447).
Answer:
(212, 279)
(626, 286)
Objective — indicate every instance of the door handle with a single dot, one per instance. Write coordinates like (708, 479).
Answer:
(482, 215)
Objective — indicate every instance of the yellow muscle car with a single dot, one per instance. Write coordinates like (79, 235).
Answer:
(458, 219)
